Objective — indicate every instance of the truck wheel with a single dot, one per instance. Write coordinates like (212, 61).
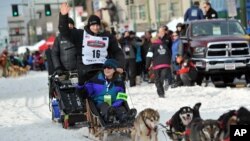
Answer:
(199, 79)
(228, 80)
(217, 81)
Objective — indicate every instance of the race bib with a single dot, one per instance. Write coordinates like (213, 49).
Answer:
(94, 49)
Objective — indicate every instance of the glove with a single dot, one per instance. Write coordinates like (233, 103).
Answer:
(59, 71)
(82, 93)
(79, 87)
(117, 103)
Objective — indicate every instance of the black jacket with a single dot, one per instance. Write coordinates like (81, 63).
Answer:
(128, 42)
(166, 39)
(63, 54)
(160, 55)
(76, 37)
(211, 14)
(51, 68)
(145, 46)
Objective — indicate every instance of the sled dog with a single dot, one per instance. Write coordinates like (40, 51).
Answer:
(181, 119)
(205, 130)
(145, 126)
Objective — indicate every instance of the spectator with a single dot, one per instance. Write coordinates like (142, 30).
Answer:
(26, 57)
(138, 57)
(146, 43)
(167, 36)
(128, 46)
(179, 28)
(93, 47)
(194, 12)
(188, 72)
(210, 13)
(177, 52)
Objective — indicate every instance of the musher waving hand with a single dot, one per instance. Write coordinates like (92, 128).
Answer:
(93, 46)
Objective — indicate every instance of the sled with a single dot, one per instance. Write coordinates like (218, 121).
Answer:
(67, 107)
(99, 129)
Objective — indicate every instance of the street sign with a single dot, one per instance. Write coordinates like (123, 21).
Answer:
(39, 30)
(49, 26)
(231, 8)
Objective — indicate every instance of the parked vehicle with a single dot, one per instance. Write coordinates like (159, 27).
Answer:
(219, 48)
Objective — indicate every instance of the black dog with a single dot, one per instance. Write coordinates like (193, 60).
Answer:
(243, 116)
(181, 119)
(226, 120)
(233, 117)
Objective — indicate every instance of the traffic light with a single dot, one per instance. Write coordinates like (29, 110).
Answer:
(47, 10)
(127, 2)
(15, 10)
(132, 1)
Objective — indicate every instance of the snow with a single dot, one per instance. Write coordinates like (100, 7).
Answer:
(172, 24)
(25, 114)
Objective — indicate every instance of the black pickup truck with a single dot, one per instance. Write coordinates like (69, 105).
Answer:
(219, 48)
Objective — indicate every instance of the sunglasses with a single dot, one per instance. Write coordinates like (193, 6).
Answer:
(107, 67)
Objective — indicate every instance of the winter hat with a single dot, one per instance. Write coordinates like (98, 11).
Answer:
(93, 19)
(179, 25)
(111, 63)
(71, 21)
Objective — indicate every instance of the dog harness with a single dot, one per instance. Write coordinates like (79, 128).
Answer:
(227, 139)
(178, 134)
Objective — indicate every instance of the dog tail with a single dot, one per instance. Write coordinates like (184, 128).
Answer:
(196, 110)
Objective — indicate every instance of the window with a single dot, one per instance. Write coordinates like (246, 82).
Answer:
(175, 9)
(142, 12)
(133, 12)
(217, 28)
(162, 11)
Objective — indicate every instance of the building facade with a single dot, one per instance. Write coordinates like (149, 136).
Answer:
(142, 15)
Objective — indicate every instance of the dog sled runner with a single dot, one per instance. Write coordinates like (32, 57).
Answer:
(100, 129)
(66, 106)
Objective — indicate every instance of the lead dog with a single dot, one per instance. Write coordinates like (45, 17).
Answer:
(181, 119)
(145, 126)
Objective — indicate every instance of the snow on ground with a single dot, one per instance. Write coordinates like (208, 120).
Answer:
(25, 114)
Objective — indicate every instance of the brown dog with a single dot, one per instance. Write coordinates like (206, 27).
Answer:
(145, 126)
(205, 130)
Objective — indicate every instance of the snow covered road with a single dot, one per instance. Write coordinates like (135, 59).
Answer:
(25, 114)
